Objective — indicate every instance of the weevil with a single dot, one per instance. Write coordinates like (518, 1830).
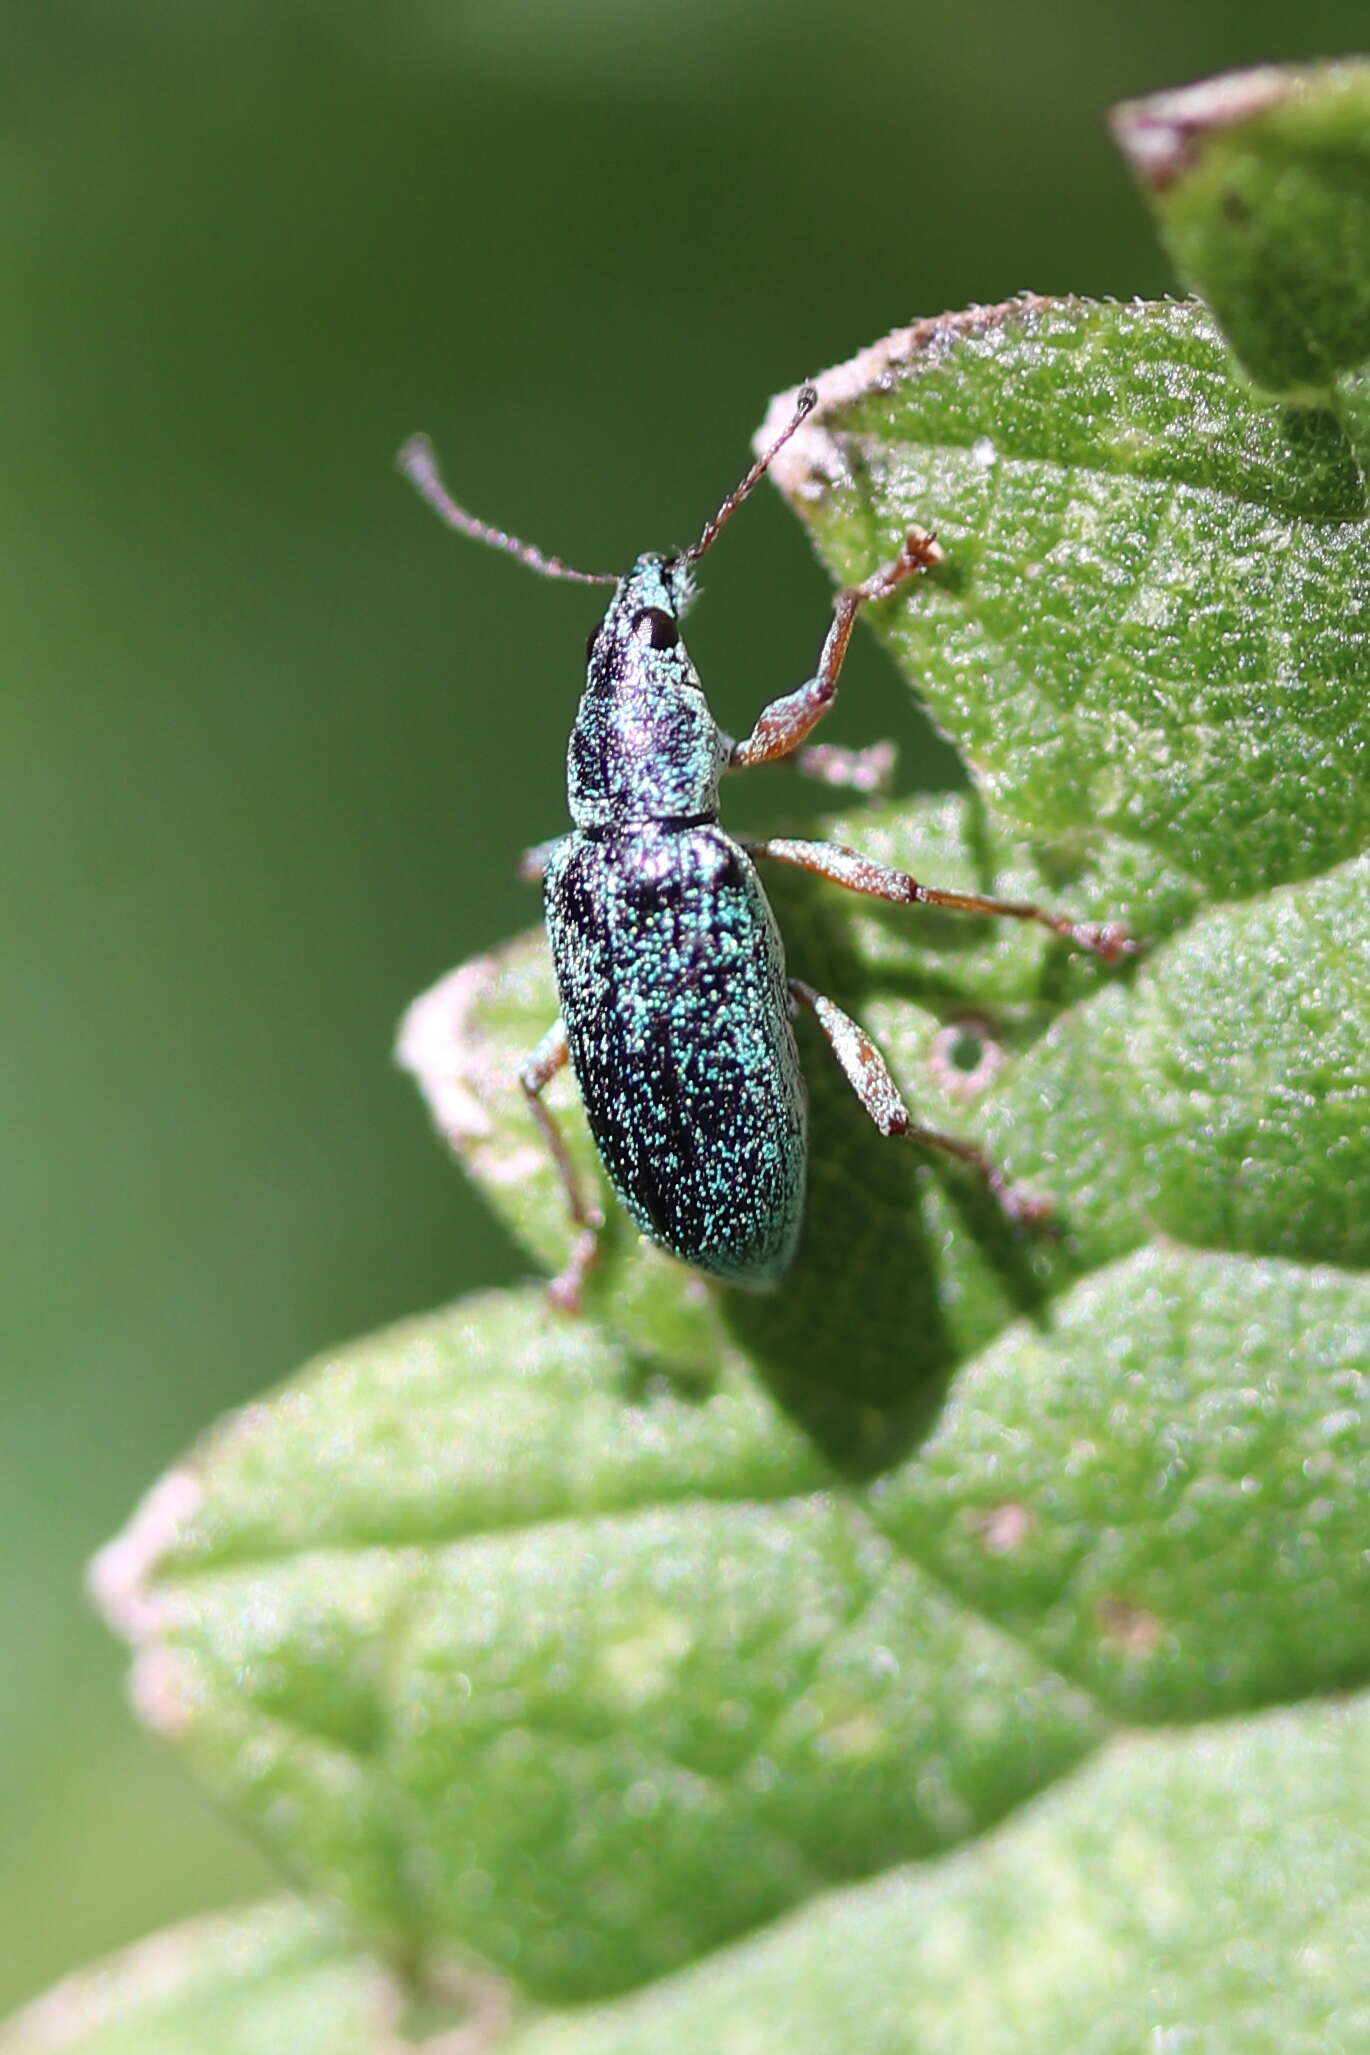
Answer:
(676, 1005)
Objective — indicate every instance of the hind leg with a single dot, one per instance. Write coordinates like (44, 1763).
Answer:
(551, 1056)
(868, 1075)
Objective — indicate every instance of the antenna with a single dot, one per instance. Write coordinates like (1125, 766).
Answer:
(420, 467)
(804, 405)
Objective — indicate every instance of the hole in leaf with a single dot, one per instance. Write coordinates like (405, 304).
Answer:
(966, 1055)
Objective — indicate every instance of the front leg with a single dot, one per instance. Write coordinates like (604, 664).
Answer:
(783, 725)
(1108, 939)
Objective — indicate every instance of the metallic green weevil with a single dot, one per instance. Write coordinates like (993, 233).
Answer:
(675, 1002)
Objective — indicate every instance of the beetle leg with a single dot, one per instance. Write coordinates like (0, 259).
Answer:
(783, 725)
(868, 1075)
(550, 1056)
(1109, 939)
(532, 865)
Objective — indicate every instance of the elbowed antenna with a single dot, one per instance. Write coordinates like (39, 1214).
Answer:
(420, 467)
(806, 402)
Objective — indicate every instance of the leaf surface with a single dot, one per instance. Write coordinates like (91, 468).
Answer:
(1154, 614)
(1260, 184)
(592, 1718)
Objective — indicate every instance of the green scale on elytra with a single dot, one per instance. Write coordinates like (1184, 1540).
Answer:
(675, 1000)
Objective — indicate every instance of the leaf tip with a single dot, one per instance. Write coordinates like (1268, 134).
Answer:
(1162, 136)
(447, 1045)
(812, 462)
(434, 1045)
(120, 1577)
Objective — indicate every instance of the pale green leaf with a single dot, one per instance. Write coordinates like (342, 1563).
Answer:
(280, 1977)
(595, 1717)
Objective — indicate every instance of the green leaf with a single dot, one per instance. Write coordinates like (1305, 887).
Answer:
(590, 1673)
(1154, 616)
(1260, 183)
(1225, 1099)
(1204, 1891)
(280, 1977)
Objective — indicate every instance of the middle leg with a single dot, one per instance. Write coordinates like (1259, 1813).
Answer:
(1108, 939)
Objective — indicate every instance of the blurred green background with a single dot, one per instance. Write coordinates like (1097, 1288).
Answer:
(273, 739)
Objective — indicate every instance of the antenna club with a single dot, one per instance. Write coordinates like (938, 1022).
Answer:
(416, 458)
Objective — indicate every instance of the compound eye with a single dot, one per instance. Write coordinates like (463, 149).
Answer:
(659, 629)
